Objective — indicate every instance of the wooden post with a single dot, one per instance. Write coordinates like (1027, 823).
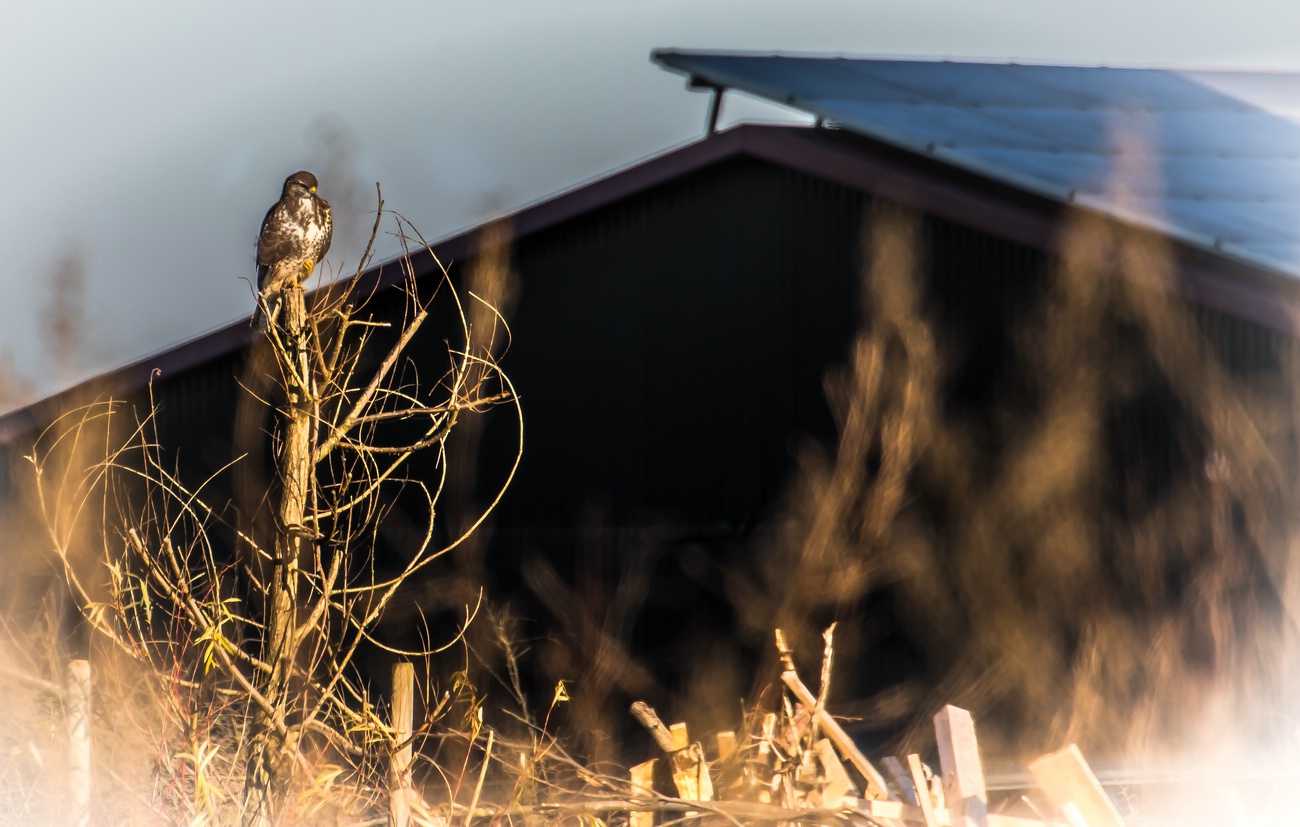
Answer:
(726, 742)
(690, 773)
(643, 784)
(963, 774)
(399, 776)
(78, 717)
(264, 785)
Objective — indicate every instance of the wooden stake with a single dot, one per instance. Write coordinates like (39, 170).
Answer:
(691, 774)
(643, 782)
(922, 790)
(78, 718)
(963, 774)
(726, 745)
(681, 738)
(902, 778)
(1068, 782)
(399, 777)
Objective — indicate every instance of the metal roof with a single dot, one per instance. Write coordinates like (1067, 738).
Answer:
(1212, 158)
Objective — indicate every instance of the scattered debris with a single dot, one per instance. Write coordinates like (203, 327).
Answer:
(790, 768)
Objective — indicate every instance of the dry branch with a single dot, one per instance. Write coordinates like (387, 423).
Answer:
(644, 713)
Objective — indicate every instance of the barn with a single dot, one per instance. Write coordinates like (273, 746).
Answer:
(675, 323)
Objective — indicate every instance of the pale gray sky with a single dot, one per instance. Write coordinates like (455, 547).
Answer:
(147, 139)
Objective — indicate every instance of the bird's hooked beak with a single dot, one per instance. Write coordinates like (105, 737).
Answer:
(313, 189)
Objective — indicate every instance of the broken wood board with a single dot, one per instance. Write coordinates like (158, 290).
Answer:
(898, 811)
(876, 786)
(1066, 779)
(902, 778)
(681, 738)
(922, 789)
(643, 784)
(836, 784)
(691, 774)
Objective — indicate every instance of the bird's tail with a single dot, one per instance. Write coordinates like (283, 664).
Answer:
(259, 311)
(267, 310)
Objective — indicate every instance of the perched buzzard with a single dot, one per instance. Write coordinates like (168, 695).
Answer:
(295, 236)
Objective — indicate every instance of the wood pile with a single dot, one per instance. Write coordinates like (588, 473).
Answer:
(799, 766)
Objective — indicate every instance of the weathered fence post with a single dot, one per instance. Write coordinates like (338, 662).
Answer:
(78, 717)
(403, 711)
(643, 784)
(963, 773)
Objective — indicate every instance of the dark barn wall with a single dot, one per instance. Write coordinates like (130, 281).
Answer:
(670, 349)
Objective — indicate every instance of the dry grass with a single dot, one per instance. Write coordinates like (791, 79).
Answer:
(1096, 576)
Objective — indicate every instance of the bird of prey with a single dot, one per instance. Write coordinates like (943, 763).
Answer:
(295, 236)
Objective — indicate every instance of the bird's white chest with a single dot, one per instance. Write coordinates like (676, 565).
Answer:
(310, 228)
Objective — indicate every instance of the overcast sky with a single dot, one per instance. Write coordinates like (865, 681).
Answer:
(141, 142)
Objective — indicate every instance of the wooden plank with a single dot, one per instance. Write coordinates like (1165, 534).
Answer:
(1066, 779)
(876, 786)
(691, 774)
(78, 720)
(767, 734)
(643, 783)
(836, 784)
(963, 773)
(898, 811)
(681, 738)
(999, 820)
(726, 745)
(1072, 815)
(399, 768)
(922, 789)
(901, 778)
(893, 811)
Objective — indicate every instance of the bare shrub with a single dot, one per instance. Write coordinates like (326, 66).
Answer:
(244, 639)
